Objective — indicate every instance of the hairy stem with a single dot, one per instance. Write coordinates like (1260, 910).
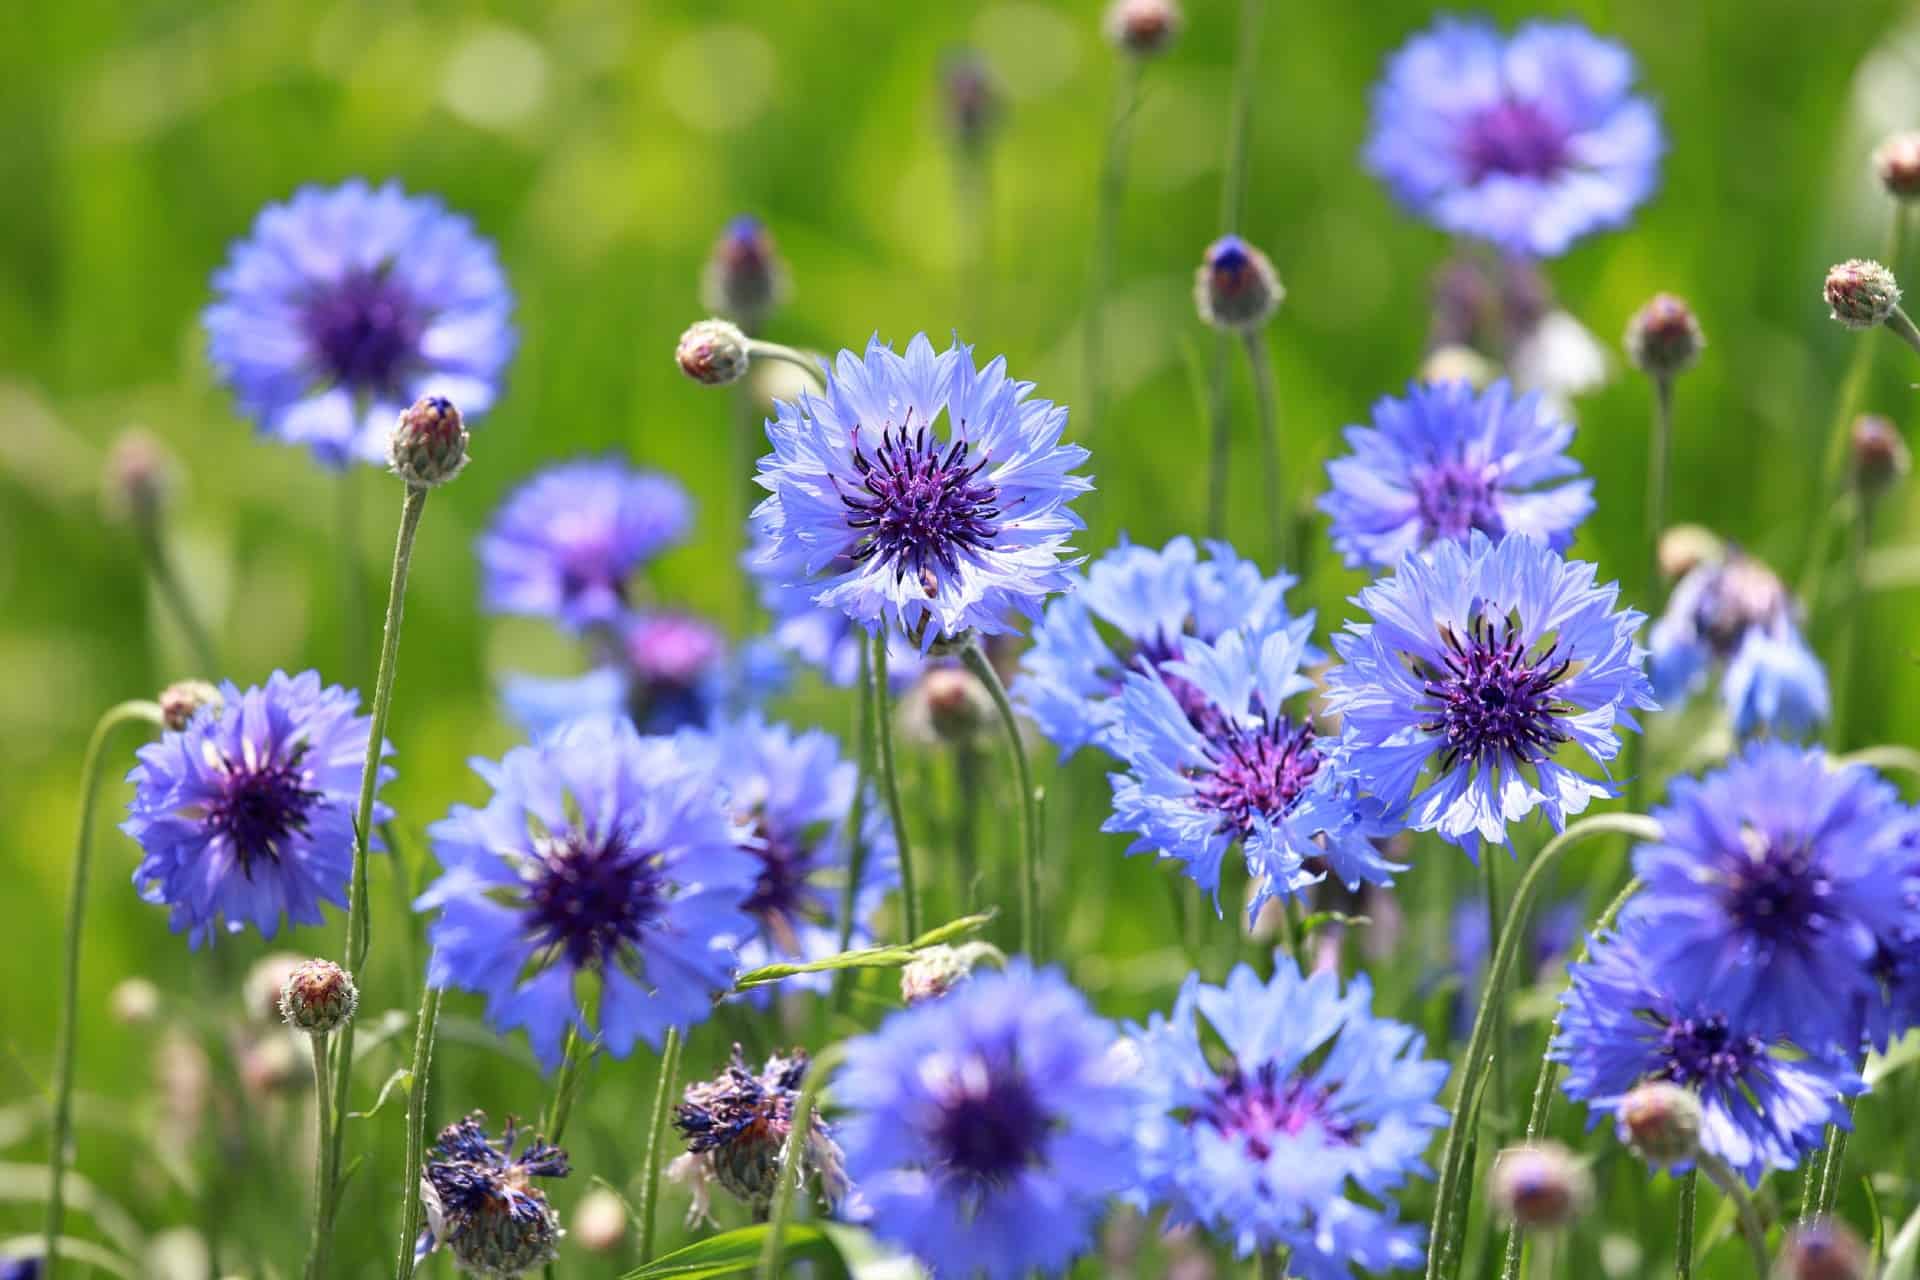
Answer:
(856, 826)
(323, 1145)
(179, 602)
(1683, 1231)
(1751, 1227)
(657, 1140)
(424, 1026)
(977, 662)
(890, 780)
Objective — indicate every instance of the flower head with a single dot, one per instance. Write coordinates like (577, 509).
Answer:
(1764, 1105)
(1236, 286)
(1314, 1099)
(318, 996)
(482, 1204)
(1541, 1186)
(1481, 662)
(1896, 162)
(1661, 1121)
(1528, 142)
(428, 446)
(971, 96)
(599, 854)
(898, 525)
(1823, 1249)
(1879, 455)
(736, 1127)
(1213, 759)
(745, 278)
(1143, 28)
(1663, 337)
(1860, 293)
(347, 304)
(1136, 609)
(245, 815)
(140, 479)
(987, 1129)
(1447, 462)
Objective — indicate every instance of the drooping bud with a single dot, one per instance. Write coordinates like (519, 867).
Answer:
(140, 478)
(1455, 363)
(713, 353)
(1236, 286)
(1881, 458)
(1661, 1122)
(744, 278)
(971, 99)
(181, 699)
(1861, 293)
(1663, 337)
(1683, 547)
(1144, 28)
(429, 443)
(1897, 164)
(134, 1001)
(318, 996)
(1541, 1186)
(1823, 1249)
(600, 1221)
(937, 970)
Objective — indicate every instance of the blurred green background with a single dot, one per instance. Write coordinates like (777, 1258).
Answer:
(602, 145)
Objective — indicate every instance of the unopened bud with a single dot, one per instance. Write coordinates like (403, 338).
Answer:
(318, 996)
(600, 1221)
(1541, 1186)
(1824, 1249)
(1880, 457)
(134, 1001)
(429, 443)
(972, 102)
(1663, 338)
(744, 278)
(1144, 28)
(937, 970)
(1236, 286)
(140, 478)
(1862, 294)
(713, 353)
(181, 699)
(1897, 164)
(1456, 363)
(1684, 547)
(958, 705)
(1661, 1122)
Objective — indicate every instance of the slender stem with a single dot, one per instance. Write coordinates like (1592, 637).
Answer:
(1683, 1231)
(792, 1159)
(1751, 1226)
(657, 1140)
(977, 662)
(1846, 643)
(1497, 1007)
(1273, 1263)
(1233, 188)
(1452, 1194)
(856, 826)
(416, 1128)
(1112, 188)
(1659, 483)
(357, 905)
(890, 780)
(179, 602)
(323, 1145)
(806, 361)
(1885, 756)
(1279, 507)
(553, 1126)
(1220, 418)
(1832, 1161)
(63, 1057)
(966, 826)
(1902, 328)
(353, 584)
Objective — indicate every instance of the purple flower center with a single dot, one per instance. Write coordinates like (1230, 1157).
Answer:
(477, 1180)
(261, 807)
(1455, 498)
(1776, 892)
(1257, 771)
(921, 507)
(1701, 1051)
(591, 896)
(365, 329)
(1150, 657)
(1263, 1107)
(989, 1124)
(1515, 138)
(1493, 700)
(783, 897)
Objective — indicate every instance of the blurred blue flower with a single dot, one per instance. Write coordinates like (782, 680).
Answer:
(1733, 612)
(1528, 142)
(1449, 460)
(600, 853)
(345, 305)
(1480, 663)
(1213, 759)
(1314, 1099)
(246, 815)
(564, 543)
(818, 635)
(1152, 604)
(1766, 1104)
(481, 1202)
(898, 527)
(1771, 888)
(20, 1269)
(986, 1129)
(1551, 935)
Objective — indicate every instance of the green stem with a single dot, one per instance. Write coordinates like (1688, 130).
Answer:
(1751, 1226)
(353, 585)
(1832, 1161)
(792, 1159)
(1659, 483)
(1452, 1195)
(890, 780)
(63, 1056)
(357, 905)
(1498, 1007)
(1845, 650)
(1233, 188)
(553, 1126)
(806, 361)
(856, 826)
(1273, 1263)
(657, 1140)
(1683, 1231)
(323, 1131)
(1898, 324)
(1112, 187)
(1886, 756)
(1279, 508)
(416, 1128)
(966, 827)
(1219, 415)
(160, 567)
(977, 662)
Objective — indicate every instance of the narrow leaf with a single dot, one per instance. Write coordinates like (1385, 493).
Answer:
(734, 1253)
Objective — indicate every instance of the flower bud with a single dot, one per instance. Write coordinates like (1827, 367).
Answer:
(958, 706)
(1143, 28)
(1880, 457)
(1456, 363)
(429, 443)
(1541, 1186)
(1661, 1122)
(1897, 164)
(318, 996)
(713, 353)
(744, 278)
(134, 1001)
(972, 102)
(600, 1221)
(1236, 287)
(1862, 294)
(140, 478)
(1686, 546)
(1663, 338)
(1823, 1249)
(937, 970)
(181, 699)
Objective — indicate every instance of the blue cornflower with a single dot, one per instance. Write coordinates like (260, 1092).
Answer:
(894, 525)
(481, 1202)
(20, 1269)
(601, 853)
(1770, 889)
(245, 816)
(347, 304)
(1734, 613)
(1153, 603)
(986, 1129)
(1313, 1098)
(1449, 460)
(1765, 1103)
(818, 635)
(563, 544)
(1481, 661)
(1213, 758)
(1528, 142)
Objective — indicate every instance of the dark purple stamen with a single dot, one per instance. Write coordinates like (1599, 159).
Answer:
(474, 1177)
(1701, 1051)
(783, 897)
(1264, 1107)
(1150, 657)
(990, 1126)
(1515, 138)
(263, 805)
(1779, 892)
(920, 506)
(1456, 498)
(366, 330)
(1258, 771)
(592, 896)
(1494, 701)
